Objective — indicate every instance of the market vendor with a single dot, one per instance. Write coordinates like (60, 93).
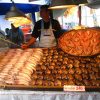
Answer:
(45, 29)
(15, 36)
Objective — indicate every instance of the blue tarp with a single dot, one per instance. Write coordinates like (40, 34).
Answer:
(26, 8)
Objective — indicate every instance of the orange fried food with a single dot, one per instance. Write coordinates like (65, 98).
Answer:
(82, 42)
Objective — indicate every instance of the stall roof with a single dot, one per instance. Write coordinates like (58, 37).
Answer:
(31, 7)
(23, 5)
(26, 8)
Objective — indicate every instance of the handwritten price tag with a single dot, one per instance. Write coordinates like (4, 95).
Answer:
(73, 88)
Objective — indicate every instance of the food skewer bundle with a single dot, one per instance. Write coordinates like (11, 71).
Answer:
(17, 66)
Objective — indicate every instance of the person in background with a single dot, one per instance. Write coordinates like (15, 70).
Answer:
(7, 32)
(45, 29)
(15, 35)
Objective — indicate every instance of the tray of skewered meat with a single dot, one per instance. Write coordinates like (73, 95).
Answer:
(48, 69)
(16, 66)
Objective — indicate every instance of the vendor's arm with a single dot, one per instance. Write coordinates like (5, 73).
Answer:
(30, 42)
(35, 35)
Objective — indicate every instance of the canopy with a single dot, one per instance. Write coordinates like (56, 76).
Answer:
(26, 8)
(31, 7)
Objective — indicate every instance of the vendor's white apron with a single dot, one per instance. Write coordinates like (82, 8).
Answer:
(47, 38)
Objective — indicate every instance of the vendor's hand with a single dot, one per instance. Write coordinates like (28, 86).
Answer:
(24, 46)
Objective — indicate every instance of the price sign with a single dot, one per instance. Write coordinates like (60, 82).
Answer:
(73, 88)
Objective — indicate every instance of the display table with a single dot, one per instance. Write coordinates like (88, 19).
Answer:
(77, 72)
(47, 95)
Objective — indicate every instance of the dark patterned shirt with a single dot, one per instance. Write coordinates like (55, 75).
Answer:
(55, 26)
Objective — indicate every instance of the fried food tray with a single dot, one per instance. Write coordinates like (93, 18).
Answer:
(47, 88)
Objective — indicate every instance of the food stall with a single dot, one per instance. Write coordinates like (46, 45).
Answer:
(53, 73)
(70, 71)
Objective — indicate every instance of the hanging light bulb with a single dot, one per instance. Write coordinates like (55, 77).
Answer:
(16, 16)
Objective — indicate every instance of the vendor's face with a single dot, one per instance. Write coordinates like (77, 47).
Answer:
(44, 14)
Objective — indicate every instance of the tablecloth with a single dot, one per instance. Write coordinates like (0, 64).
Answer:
(47, 95)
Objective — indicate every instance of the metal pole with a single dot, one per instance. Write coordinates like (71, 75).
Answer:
(79, 14)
